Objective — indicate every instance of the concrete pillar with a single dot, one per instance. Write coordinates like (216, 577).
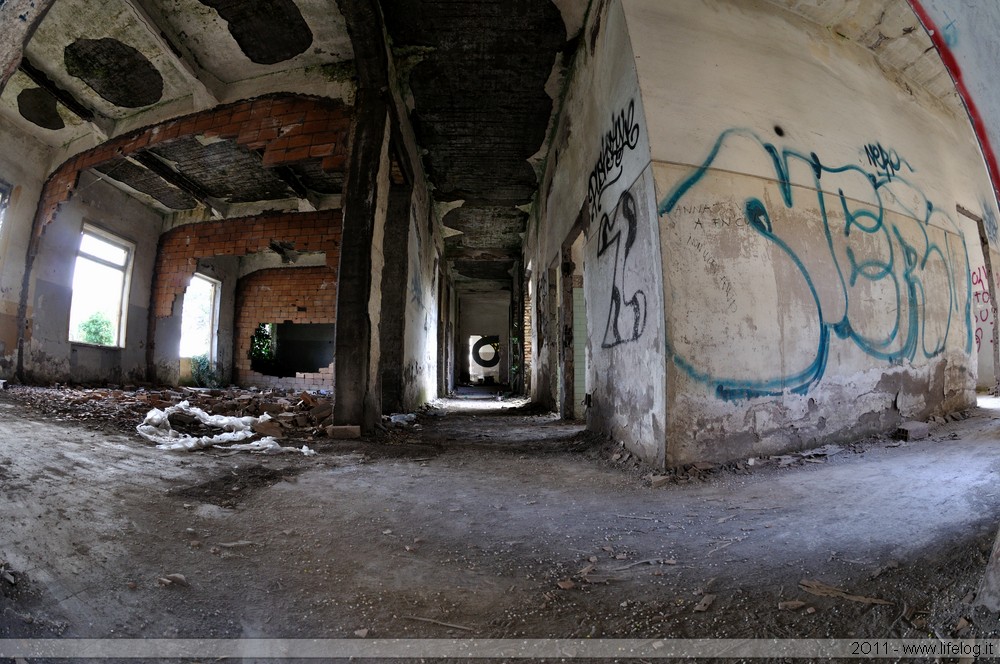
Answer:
(365, 200)
(395, 282)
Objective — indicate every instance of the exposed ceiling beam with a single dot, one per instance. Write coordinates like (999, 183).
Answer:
(463, 253)
(65, 97)
(181, 181)
(98, 123)
(286, 175)
(205, 95)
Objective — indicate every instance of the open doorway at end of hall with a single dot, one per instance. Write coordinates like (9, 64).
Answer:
(484, 331)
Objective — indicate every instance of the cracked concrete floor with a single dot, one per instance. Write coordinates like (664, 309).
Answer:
(474, 520)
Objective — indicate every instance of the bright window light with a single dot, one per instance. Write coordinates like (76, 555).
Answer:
(100, 289)
(198, 318)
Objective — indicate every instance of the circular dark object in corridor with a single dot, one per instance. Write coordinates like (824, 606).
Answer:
(39, 106)
(116, 71)
(778, 130)
(493, 341)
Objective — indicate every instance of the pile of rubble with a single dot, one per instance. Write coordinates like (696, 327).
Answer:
(289, 415)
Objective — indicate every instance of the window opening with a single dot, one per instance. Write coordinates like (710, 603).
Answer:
(100, 288)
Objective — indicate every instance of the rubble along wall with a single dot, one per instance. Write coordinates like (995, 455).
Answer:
(817, 274)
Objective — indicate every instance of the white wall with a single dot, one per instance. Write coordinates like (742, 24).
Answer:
(600, 165)
(24, 165)
(818, 277)
(420, 347)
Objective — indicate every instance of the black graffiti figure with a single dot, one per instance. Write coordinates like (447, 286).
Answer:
(611, 236)
(493, 341)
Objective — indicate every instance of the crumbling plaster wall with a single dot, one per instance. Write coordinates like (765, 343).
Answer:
(599, 167)
(817, 276)
(49, 355)
(24, 164)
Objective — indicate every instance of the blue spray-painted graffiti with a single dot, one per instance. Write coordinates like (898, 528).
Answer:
(611, 236)
(894, 285)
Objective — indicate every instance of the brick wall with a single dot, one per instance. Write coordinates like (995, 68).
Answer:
(285, 128)
(297, 295)
(181, 247)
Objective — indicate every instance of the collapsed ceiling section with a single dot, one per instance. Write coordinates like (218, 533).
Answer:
(479, 75)
(480, 112)
(96, 69)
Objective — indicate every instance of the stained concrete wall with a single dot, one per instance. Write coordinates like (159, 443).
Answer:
(49, 355)
(23, 165)
(817, 276)
(600, 168)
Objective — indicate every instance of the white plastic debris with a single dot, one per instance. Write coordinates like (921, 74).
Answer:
(401, 419)
(156, 429)
(267, 446)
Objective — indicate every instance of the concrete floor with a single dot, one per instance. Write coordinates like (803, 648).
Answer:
(474, 520)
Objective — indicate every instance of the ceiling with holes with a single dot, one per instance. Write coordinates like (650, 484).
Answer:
(481, 79)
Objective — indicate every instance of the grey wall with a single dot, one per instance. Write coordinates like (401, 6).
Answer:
(49, 356)
(23, 164)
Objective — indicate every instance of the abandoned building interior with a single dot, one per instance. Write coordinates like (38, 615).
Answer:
(685, 242)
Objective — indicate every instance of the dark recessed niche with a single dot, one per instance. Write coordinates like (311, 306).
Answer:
(39, 106)
(116, 71)
(778, 130)
(268, 31)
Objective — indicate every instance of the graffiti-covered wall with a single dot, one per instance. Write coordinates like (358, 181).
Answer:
(818, 277)
(598, 181)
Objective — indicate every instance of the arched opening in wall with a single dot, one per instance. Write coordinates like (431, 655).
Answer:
(199, 329)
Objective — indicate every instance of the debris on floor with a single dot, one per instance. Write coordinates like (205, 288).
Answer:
(401, 420)
(158, 428)
(824, 590)
(270, 415)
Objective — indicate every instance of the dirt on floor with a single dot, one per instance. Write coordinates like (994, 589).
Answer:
(483, 518)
